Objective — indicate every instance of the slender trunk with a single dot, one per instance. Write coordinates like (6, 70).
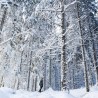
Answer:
(21, 62)
(18, 84)
(32, 85)
(97, 73)
(94, 52)
(28, 78)
(36, 83)
(1, 82)
(83, 53)
(3, 18)
(29, 73)
(63, 57)
(50, 69)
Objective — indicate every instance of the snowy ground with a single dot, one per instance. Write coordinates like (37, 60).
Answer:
(78, 93)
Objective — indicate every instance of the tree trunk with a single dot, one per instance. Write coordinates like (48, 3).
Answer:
(50, 69)
(63, 57)
(3, 19)
(83, 53)
(97, 72)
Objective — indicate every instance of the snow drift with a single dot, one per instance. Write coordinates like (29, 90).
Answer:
(77, 93)
(10, 93)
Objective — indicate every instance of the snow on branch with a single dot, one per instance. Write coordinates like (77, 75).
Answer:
(68, 5)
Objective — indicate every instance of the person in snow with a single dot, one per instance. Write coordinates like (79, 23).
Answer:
(41, 85)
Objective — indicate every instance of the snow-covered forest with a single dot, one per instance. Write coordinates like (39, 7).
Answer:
(48, 44)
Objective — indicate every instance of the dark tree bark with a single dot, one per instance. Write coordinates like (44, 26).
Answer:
(3, 18)
(83, 52)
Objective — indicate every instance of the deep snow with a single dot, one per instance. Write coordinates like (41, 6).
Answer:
(78, 93)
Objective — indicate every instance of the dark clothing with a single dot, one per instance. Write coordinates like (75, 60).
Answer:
(41, 85)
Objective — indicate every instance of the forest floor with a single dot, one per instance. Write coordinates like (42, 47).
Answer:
(77, 93)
